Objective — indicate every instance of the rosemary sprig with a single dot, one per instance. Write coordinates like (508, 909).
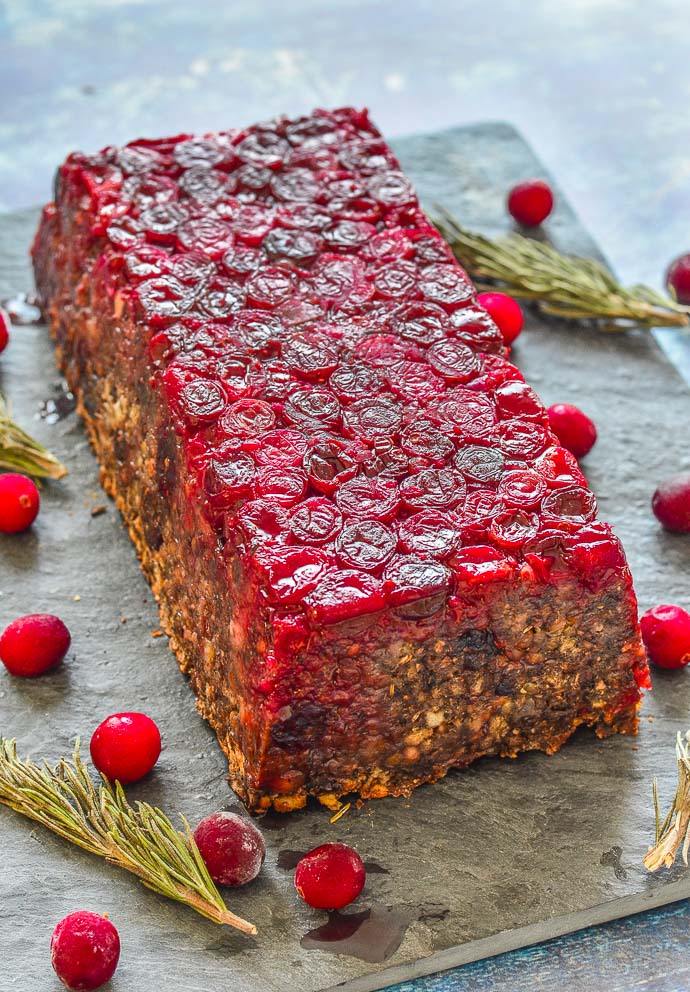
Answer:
(140, 838)
(674, 833)
(19, 452)
(562, 285)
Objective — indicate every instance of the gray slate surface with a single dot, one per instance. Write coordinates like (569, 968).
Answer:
(496, 857)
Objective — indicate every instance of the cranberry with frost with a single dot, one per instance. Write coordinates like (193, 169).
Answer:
(505, 312)
(666, 635)
(573, 428)
(84, 951)
(19, 503)
(233, 849)
(678, 279)
(330, 877)
(530, 202)
(34, 644)
(4, 330)
(126, 746)
(671, 503)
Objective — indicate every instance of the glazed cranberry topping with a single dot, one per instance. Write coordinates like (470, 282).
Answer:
(530, 202)
(330, 877)
(505, 312)
(19, 503)
(233, 849)
(666, 634)
(34, 644)
(340, 394)
(671, 503)
(126, 746)
(573, 428)
(84, 951)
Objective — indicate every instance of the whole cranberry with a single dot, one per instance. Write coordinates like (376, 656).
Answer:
(19, 503)
(505, 312)
(530, 202)
(84, 951)
(330, 877)
(666, 635)
(678, 278)
(233, 849)
(573, 428)
(126, 746)
(4, 331)
(671, 503)
(34, 644)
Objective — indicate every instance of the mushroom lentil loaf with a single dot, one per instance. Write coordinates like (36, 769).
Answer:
(372, 558)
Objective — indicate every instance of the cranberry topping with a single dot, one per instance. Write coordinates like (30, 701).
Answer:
(281, 447)
(34, 644)
(482, 563)
(365, 497)
(478, 464)
(126, 746)
(453, 360)
(233, 849)
(666, 634)
(315, 521)
(433, 489)
(417, 589)
(522, 488)
(329, 463)
(84, 951)
(344, 594)
(429, 534)
(365, 544)
(290, 572)
(330, 877)
(372, 418)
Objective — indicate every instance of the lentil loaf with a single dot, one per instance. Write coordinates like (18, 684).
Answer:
(373, 559)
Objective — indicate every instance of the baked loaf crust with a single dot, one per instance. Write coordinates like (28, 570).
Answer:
(372, 558)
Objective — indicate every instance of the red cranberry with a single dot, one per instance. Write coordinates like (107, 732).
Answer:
(505, 312)
(678, 279)
(573, 428)
(330, 877)
(671, 503)
(34, 644)
(666, 634)
(126, 746)
(84, 951)
(19, 503)
(4, 331)
(530, 202)
(232, 848)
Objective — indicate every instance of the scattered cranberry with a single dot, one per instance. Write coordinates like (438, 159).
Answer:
(232, 848)
(666, 634)
(330, 877)
(505, 312)
(530, 202)
(4, 331)
(19, 502)
(126, 746)
(34, 644)
(84, 951)
(573, 428)
(678, 279)
(671, 503)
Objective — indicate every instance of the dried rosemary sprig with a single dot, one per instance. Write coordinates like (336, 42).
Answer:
(140, 838)
(674, 833)
(19, 452)
(562, 285)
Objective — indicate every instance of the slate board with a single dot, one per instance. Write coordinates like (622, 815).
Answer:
(502, 855)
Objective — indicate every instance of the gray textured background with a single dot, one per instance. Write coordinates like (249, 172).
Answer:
(506, 845)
